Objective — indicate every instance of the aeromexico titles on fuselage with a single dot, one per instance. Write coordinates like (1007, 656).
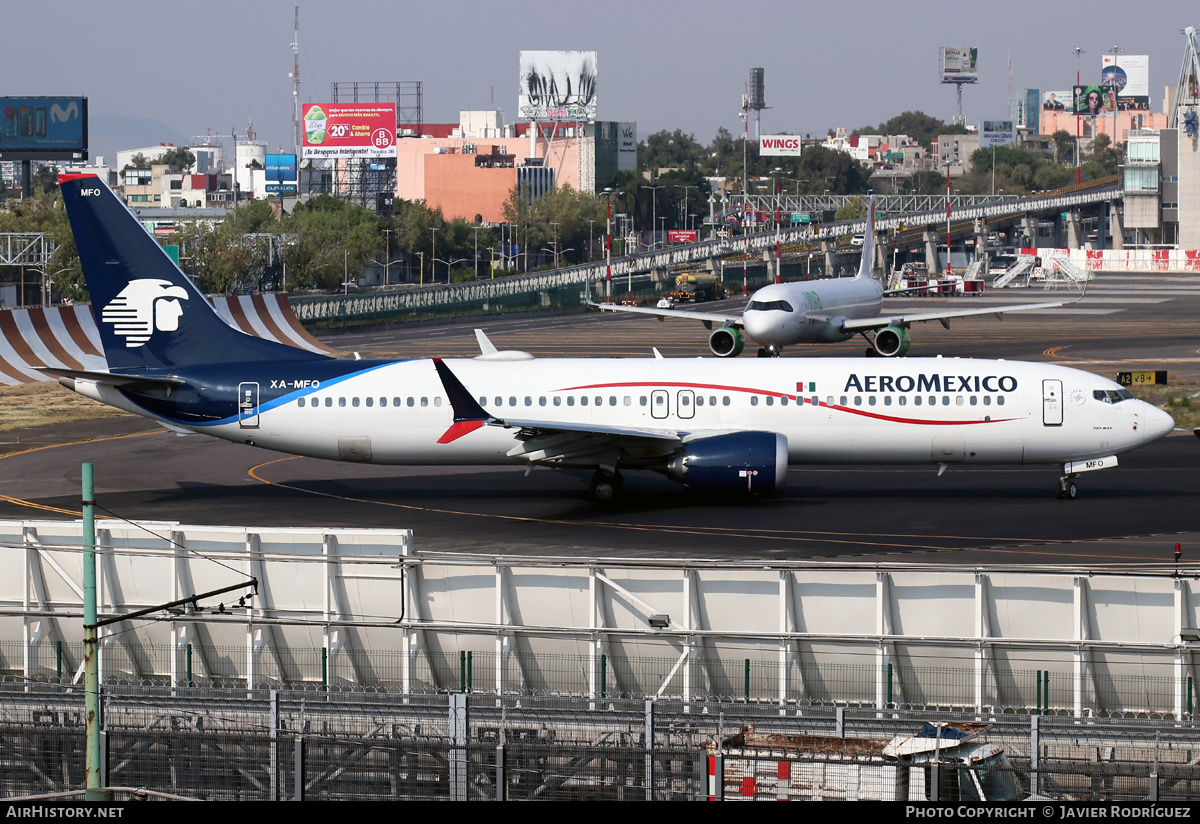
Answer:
(931, 382)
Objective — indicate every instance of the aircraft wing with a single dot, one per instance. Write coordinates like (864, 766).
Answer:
(556, 441)
(708, 318)
(867, 324)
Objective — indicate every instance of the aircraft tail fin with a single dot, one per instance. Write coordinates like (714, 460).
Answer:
(149, 313)
(868, 249)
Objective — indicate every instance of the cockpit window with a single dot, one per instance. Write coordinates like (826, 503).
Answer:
(1112, 395)
(767, 305)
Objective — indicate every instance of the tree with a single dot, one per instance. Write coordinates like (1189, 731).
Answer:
(138, 161)
(45, 180)
(822, 169)
(179, 157)
(853, 209)
(330, 237)
(674, 150)
(216, 256)
(1064, 146)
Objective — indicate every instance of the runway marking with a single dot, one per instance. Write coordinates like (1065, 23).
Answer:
(809, 536)
(76, 443)
(45, 507)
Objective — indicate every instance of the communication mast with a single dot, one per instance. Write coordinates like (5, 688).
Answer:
(296, 81)
(758, 99)
(1187, 91)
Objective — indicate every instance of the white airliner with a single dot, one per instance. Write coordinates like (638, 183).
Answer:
(707, 424)
(820, 311)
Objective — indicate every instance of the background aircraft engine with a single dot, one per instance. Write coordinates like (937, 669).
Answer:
(892, 341)
(746, 461)
(726, 342)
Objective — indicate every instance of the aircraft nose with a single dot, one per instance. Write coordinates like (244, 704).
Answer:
(760, 327)
(1158, 423)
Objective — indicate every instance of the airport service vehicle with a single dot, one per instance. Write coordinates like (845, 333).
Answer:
(821, 311)
(827, 768)
(707, 424)
(697, 286)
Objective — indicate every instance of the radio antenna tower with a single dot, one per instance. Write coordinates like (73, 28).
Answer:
(296, 79)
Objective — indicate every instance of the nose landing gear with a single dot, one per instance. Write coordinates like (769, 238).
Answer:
(1066, 488)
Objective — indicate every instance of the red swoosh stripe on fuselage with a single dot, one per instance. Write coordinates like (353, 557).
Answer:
(799, 399)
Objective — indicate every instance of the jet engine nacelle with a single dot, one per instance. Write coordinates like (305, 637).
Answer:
(726, 342)
(739, 461)
(891, 341)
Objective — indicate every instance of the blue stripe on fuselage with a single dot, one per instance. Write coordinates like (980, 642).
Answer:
(215, 401)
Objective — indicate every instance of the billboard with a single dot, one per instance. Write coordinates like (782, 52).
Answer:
(44, 128)
(1094, 100)
(1029, 110)
(996, 133)
(557, 85)
(349, 130)
(959, 65)
(779, 145)
(1129, 76)
(281, 174)
(1056, 101)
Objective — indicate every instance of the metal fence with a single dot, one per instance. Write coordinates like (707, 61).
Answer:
(275, 745)
(792, 684)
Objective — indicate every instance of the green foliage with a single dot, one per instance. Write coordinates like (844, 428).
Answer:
(571, 210)
(853, 209)
(179, 157)
(822, 169)
(330, 239)
(216, 256)
(674, 150)
(45, 180)
(138, 161)
(44, 212)
(917, 125)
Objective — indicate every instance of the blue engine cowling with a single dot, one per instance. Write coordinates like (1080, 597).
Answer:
(745, 461)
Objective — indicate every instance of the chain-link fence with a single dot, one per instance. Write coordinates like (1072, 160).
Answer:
(274, 745)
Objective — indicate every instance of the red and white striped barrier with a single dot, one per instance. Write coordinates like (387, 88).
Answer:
(67, 336)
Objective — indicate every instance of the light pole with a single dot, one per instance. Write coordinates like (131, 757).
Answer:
(948, 164)
(555, 225)
(433, 258)
(1075, 106)
(476, 261)
(653, 210)
(387, 263)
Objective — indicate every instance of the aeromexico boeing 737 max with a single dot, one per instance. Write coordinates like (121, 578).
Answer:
(707, 424)
(820, 311)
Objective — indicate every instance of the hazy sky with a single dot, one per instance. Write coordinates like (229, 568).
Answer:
(185, 68)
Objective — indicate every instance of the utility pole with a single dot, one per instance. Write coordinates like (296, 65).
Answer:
(91, 666)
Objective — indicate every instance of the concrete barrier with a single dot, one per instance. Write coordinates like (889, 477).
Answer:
(67, 336)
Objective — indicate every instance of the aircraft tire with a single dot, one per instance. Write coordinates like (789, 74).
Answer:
(605, 486)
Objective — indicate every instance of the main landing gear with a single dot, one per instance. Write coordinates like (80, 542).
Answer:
(605, 485)
(1066, 488)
